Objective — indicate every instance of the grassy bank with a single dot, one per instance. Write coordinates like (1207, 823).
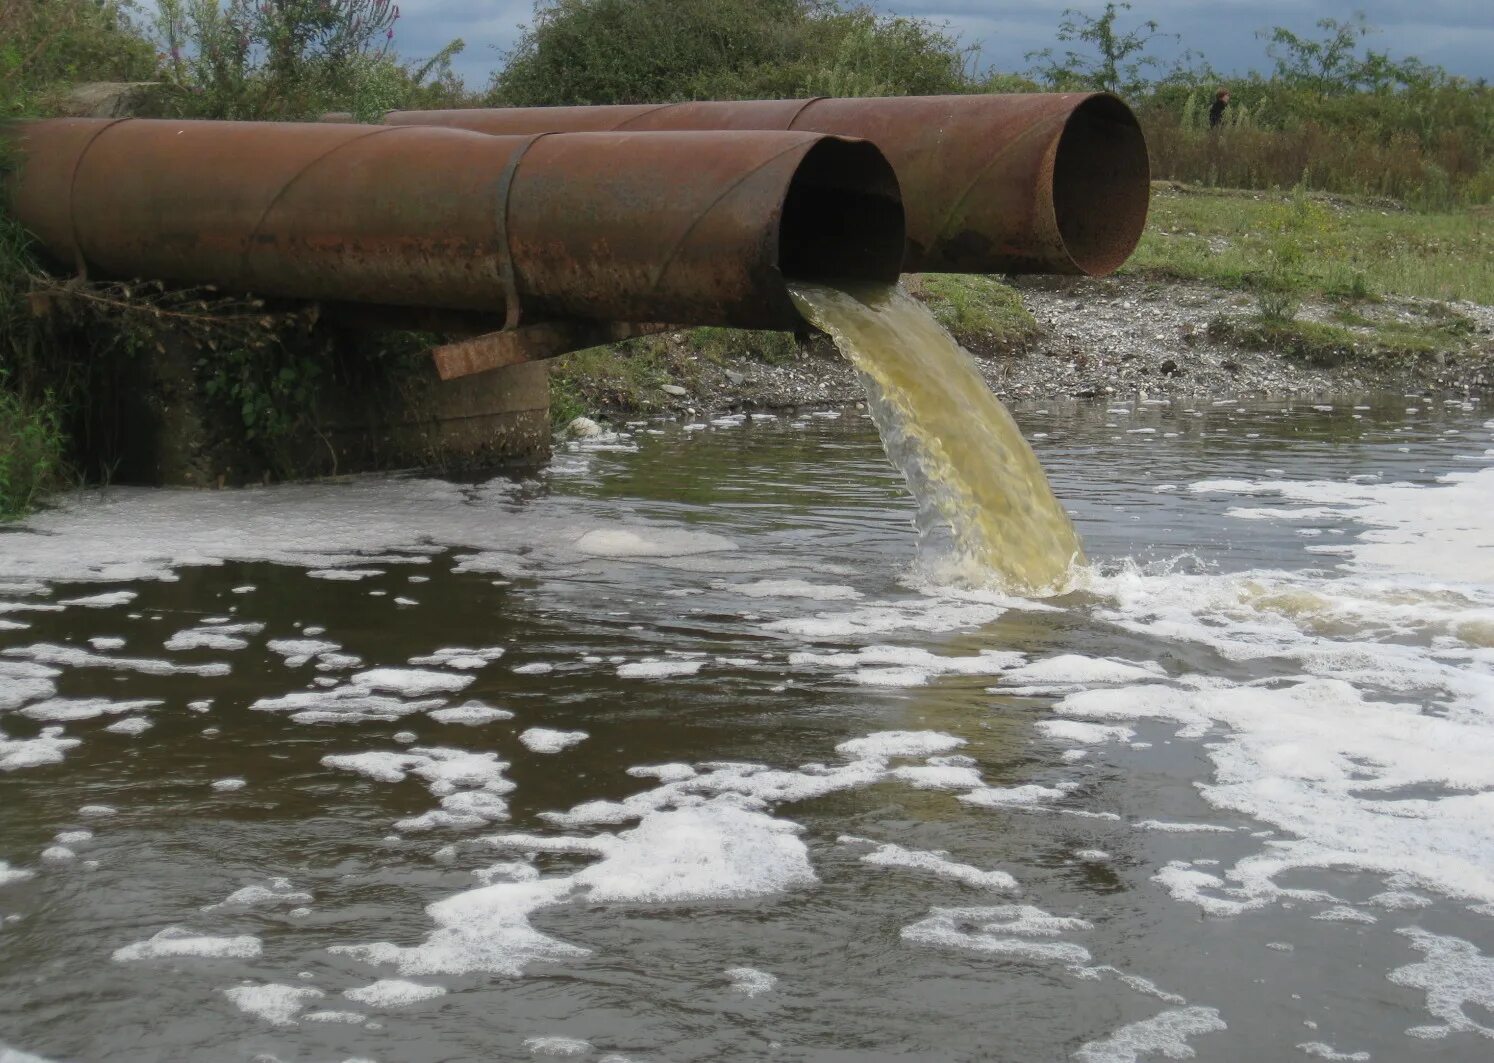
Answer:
(985, 315)
(1346, 247)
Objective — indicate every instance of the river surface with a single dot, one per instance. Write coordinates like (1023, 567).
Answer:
(670, 753)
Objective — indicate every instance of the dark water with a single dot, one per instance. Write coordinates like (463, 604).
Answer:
(1306, 667)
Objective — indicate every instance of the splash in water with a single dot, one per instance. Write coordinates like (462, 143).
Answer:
(985, 508)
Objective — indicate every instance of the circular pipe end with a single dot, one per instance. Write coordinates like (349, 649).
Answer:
(1101, 184)
(843, 215)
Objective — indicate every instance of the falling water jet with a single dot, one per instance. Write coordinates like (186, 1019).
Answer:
(986, 512)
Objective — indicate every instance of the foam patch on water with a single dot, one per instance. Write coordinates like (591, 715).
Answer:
(276, 1004)
(656, 669)
(557, 1047)
(1453, 974)
(132, 725)
(470, 786)
(9, 875)
(932, 615)
(1402, 517)
(393, 993)
(905, 665)
(175, 942)
(48, 747)
(222, 637)
(1014, 931)
(23, 681)
(749, 981)
(1317, 758)
(278, 892)
(410, 682)
(107, 600)
(71, 710)
(795, 588)
(935, 862)
(544, 740)
(462, 658)
(1165, 1034)
(1321, 1050)
(77, 657)
(471, 714)
(656, 542)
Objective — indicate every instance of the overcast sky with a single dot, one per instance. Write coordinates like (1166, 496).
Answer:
(1457, 34)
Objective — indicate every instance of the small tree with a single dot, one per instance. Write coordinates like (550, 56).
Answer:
(1119, 63)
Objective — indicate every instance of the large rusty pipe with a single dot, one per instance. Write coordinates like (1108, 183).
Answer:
(694, 227)
(1026, 183)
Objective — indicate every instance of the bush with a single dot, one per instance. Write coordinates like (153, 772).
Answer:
(656, 51)
(31, 449)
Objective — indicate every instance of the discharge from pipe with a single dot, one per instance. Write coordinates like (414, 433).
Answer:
(1022, 183)
(692, 226)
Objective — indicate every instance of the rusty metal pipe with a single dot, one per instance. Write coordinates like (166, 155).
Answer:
(696, 227)
(1025, 183)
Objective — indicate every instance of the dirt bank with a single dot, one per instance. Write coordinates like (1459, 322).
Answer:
(1124, 336)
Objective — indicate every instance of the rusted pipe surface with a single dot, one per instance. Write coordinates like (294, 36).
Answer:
(697, 227)
(1023, 183)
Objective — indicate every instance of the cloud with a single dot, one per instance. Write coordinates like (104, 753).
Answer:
(1457, 34)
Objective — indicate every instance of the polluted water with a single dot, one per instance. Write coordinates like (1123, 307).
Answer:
(675, 751)
(986, 512)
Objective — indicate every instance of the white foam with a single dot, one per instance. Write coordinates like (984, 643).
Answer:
(881, 745)
(47, 747)
(106, 642)
(77, 657)
(544, 740)
(107, 600)
(1016, 931)
(1088, 733)
(279, 891)
(410, 682)
(1320, 1050)
(937, 862)
(655, 669)
(346, 575)
(393, 993)
(1028, 794)
(1182, 828)
(1164, 1034)
(1452, 974)
(23, 681)
(69, 710)
(222, 637)
(73, 837)
(912, 665)
(1345, 914)
(277, 1004)
(471, 713)
(560, 1047)
(10, 874)
(229, 785)
(795, 588)
(655, 542)
(461, 658)
(174, 942)
(131, 725)
(97, 811)
(749, 981)
(534, 668)
(1071, 669)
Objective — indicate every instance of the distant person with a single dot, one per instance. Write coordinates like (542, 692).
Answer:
(1216, 109)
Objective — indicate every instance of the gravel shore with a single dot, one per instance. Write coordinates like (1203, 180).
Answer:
(1120, 336)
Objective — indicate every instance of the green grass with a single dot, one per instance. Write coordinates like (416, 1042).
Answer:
(1354, 337)
(984, 315)
(31, 452)
(1352, 249)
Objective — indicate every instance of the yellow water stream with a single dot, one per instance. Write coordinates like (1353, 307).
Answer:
(986, 513)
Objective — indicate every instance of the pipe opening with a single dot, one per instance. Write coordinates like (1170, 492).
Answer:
(1101, 184)
(843, 215)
